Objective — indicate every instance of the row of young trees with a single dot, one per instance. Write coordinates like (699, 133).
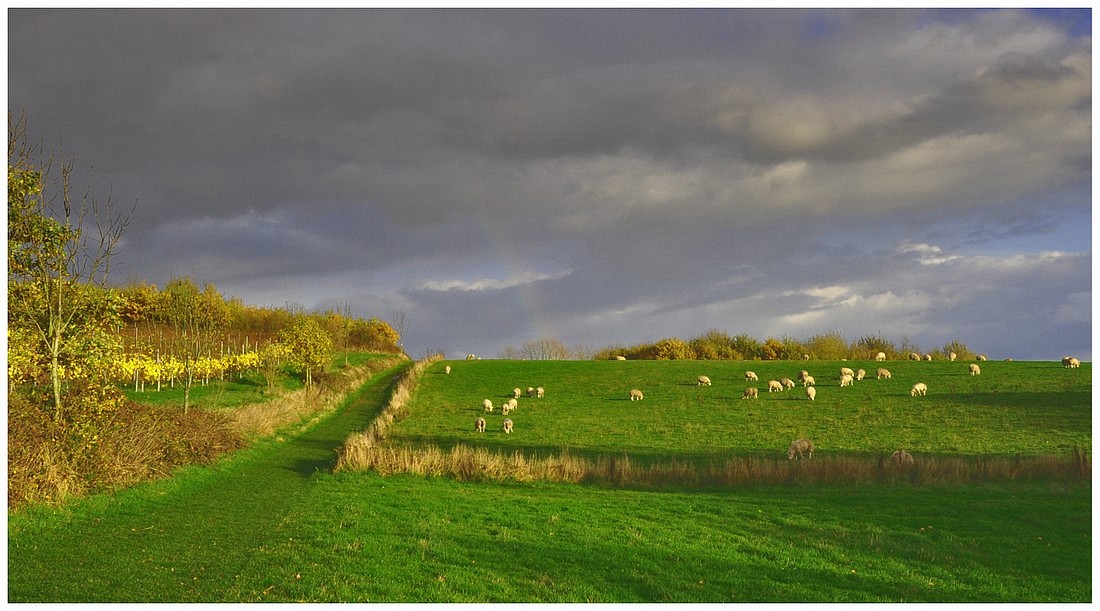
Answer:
(717, 344)
(72, 338)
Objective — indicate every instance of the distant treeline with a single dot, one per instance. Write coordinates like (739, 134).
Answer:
(718, 344)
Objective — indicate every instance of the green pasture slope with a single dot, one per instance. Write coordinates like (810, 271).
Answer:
(272, 523)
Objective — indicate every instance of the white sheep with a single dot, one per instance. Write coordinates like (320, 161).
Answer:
(928, 357)
(531, 392)
(901, 458)
(802, 375)
(1070, 362)
(881, 356)
(787, 383)
(811, 392)
(516, 393)
(507, 407)
(636, 395)
(913, 356)
(845, 380)
(803, 447)
(620, 358)
(447, 370)
(479, 425)
(952, 357)
(808, 381)
(975, 370)
(470, 357)
(882, 373)
(513, 402)
(920, 388)
(540, 392)
(847, 371)
(750, 393)
(508, 425)
(702, 381)
(775, 385)
(860, 374)
(488, 405)
(982, 357)
(751, 376)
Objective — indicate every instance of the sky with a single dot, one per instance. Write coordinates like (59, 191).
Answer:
(598, 176)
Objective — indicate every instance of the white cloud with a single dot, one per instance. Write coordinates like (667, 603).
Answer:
(490, 284)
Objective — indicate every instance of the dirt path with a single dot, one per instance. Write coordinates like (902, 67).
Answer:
(177, 540)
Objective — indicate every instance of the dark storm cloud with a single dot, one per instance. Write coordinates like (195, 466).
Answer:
(604, 175)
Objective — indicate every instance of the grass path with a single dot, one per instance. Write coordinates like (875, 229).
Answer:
(187, 538)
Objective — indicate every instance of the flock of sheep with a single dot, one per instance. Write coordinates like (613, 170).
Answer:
(803, 448)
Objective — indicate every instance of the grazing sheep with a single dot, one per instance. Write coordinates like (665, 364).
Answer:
(882, 372)
(881, 356)
(952, 357)
(846, 371)
(775, 385)
(811, 392)
(636, 395)
(803, 447)
(620, 358)
(513, 403)
(802, 375)
(508, 425)
(750, 393)
(479, 425)
(860, 374)
(928, 357)
(1070, 362)
(447, 370)
(540, 392)
(901, 458)
(787, 383)
(751, 376)
(470, 357)
(975, 370)
(919, 389)
(531, 392)
(488, 405)
(703, 381)
(913, 356)
(516, 392)
(808, 381)
(507, 407)
(845, 380)
(982, 357)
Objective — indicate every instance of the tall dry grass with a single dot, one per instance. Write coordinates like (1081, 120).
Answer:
(262, 419)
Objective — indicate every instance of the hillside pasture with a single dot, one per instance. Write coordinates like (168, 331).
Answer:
(1012, 409)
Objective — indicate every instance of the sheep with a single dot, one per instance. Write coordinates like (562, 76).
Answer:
(751, 376)
(846, 371)
(975, 370)
(775, 385)
(982, 357)
(1070, 362)
(516, 393)
(471, 357)
(928, 357)
(508, 425)
(787, 383)
(802, 375)
(920, 388)
(811, 392)
(750, 393)
(803, 447)
(845, 380)
(447, 370)
(636, 395)
(952, 357)
(540, 392)
(479, 425)
(881, 356)
(860, 374)
(512, 403)
(913, 356)
(808, 381)
(488, 405)
(620, 358)
(703, 381)
(507, 407)
(901, 458)
(882, 373)
(531, 391)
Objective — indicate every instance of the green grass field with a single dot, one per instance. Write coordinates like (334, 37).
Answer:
(273, 523)
(1027, 408)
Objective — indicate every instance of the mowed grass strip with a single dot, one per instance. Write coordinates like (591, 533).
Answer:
(1012, 408)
